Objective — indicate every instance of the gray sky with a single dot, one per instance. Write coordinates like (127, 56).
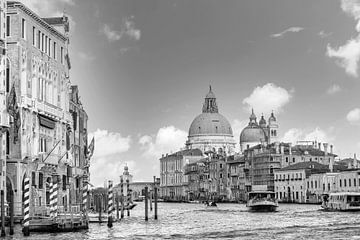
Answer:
(143, 68)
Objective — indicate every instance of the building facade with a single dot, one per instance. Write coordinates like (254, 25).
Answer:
(42, 133)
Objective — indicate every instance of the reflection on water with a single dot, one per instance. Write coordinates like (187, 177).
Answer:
(228, 221)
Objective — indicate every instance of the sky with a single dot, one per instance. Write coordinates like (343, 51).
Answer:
(144, 67)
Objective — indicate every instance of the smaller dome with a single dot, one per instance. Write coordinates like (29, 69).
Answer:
(262, 121)
(252, 133)
(272, 117)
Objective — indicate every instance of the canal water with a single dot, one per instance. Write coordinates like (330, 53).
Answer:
(228, 221)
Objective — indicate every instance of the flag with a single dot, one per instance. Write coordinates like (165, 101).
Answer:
(91, 148)
(11, 102)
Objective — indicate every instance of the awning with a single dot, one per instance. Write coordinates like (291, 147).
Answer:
(46, 122)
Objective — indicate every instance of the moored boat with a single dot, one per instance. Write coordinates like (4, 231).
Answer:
(341, 201)
(262, 201)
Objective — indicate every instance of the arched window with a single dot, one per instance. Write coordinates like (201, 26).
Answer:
(274, 133)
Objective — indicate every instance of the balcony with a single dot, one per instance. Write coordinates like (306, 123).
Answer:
(49, 109)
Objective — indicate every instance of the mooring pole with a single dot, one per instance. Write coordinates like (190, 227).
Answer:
(26, 207)
(2, 214)
(110, 204)
(100, 208)
(146, 203)
(117, 206)
(155, 200)
(128, 196)
(122, 196)
(11, 212)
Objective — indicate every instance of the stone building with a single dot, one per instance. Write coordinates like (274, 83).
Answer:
(257, 133)
(41, 137)
(211, 131)
(173, 182)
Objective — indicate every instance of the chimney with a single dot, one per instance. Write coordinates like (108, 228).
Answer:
(331, 164)
(355, 161)
(282, 149)
(315, 144)
(331, 149)
(290, 152)
(277, 148)
(319, 146)
(325, 148)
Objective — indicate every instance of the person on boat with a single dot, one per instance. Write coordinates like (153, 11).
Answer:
(213, 204)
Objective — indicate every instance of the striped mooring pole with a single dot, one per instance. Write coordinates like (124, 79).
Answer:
(110, 204)
(26, 220)
(122, 196)
(51, 199)
(54, 200)
(128, 196)
(84, 196)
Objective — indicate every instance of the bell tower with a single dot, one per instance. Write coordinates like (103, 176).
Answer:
(273, 128)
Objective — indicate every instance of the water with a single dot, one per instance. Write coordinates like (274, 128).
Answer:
(229, 221)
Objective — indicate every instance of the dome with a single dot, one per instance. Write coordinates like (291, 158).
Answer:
(252, 134)
(210, 124)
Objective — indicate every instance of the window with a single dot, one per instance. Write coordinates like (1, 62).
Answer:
(349, 182)
(23, 28)
(64, 182)
(315, 184)
(287, 159)
(34, 36)
(62, 55)
(221, 165)
(354, 182)
(46, 44)
(41, 180)
(42, 41)
(341, 184)
(8, 24)
(220, 175)
(54, 52)
(7, 143)
(49, 47)
(344, 182)
(312, 184)
(38, 39)
(328, 186)
(7, 75)
(293, 159)
(33, 179)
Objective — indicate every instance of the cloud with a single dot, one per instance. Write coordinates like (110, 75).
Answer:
(354, 116)
(348, 55)
(110, 34)
(289, 30)
(127, 29)
(333, 89)
(324, 34)
(86, 56)
(295, 134)
(107, 162)
(168, 139)
(267, 98)
(109, 143)
(46, 8)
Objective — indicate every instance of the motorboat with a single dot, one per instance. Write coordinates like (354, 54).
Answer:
(262, 201)
(341, 201)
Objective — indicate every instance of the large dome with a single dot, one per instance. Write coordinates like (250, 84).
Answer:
(210, 124)
(252, 134)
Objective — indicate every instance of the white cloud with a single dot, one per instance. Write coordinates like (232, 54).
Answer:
(110, 34)
(333, 89)
(289, 30)
(267, 98)
(109, 143)
(86, 56)
(168, 139)
(354, 116)
(295, 134)
(46, 8)
(348, 55)
(324, 34)
(127, 29)
(107, 162)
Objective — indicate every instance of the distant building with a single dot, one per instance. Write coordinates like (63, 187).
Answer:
(211, 131)
(173, 183)
(257, 133)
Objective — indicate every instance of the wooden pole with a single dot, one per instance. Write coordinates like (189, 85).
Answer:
(2, 213)
(110, 204)
(12, 212)
(146, 203)
(155, 200)
(128, 196)
(26, 207)
(122, 196)
(117, 206)
(150, 200)
(100, 208)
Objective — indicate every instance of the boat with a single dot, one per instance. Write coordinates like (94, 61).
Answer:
(210, 205)
(262, 201)
(341, 201)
